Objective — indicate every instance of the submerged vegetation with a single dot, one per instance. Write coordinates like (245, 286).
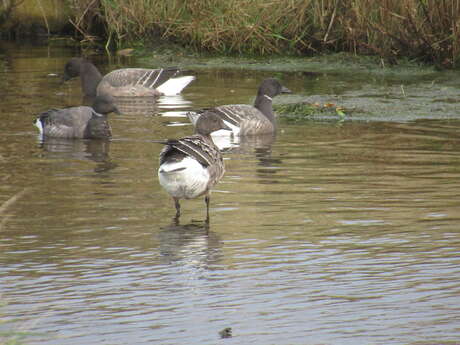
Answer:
(426, 30)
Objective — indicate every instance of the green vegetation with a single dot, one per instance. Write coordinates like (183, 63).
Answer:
(295, 112)
(426, 30)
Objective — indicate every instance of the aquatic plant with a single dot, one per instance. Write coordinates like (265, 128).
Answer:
(427, 30)
(304, 110)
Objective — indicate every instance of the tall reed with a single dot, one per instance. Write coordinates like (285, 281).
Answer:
(427, 30)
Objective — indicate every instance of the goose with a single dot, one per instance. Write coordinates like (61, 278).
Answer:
(130, 82)
(246, 119)
(78, 122)
(192, 165)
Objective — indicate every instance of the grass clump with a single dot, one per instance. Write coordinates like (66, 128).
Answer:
(427, 30)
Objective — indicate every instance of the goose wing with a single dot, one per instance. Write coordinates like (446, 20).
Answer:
(66, 123)
(199, 148)
(150, 78)
(248, 119)
(236, 114)
(233, 114)
(195, 146)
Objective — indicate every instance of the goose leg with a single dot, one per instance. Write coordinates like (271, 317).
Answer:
(177, 205)
(206, 200)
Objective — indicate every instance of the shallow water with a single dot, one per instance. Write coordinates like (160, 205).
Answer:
(333, 233)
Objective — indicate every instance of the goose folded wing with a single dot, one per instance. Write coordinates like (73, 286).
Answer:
(57, 123)
(235, 114)
(56, 117)
(196, 147)
(150, 78)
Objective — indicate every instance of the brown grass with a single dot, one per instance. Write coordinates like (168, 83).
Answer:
(427, 30)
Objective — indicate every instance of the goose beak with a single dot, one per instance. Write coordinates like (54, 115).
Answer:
(284, 89)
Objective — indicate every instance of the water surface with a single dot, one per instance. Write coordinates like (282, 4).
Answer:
(333, 233)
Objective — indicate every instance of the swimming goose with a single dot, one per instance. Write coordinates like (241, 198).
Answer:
(245, 119)
(191, 166)
(127, 81)
(78, 122)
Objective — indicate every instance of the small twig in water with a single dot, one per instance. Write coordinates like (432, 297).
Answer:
(402, 89)
(12, 200)
(7, 204)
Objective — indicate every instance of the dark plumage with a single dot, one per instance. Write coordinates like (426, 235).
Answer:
(191, 166)
(78, 122)
(245, 119)
(126, 81)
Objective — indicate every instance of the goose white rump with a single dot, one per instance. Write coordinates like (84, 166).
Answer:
(39, 125)
(174, 86)
(185, 179)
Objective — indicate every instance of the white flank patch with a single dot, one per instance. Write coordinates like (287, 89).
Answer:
(221, 133)
(39, 125)
(186, 179)
(225, 142)
(225, 139)
(174, 86)
(235, 130)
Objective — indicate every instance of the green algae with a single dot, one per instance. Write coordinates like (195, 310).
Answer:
(305, 111)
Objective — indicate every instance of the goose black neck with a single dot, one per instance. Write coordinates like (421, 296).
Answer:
(264, 104)
(90, 78)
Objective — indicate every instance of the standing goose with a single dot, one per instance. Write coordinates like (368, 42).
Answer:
(191, 166)
(127, 81)
(245, 119)
(78, 122)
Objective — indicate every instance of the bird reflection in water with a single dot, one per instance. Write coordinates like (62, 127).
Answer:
(194, 244)
(80, 149)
